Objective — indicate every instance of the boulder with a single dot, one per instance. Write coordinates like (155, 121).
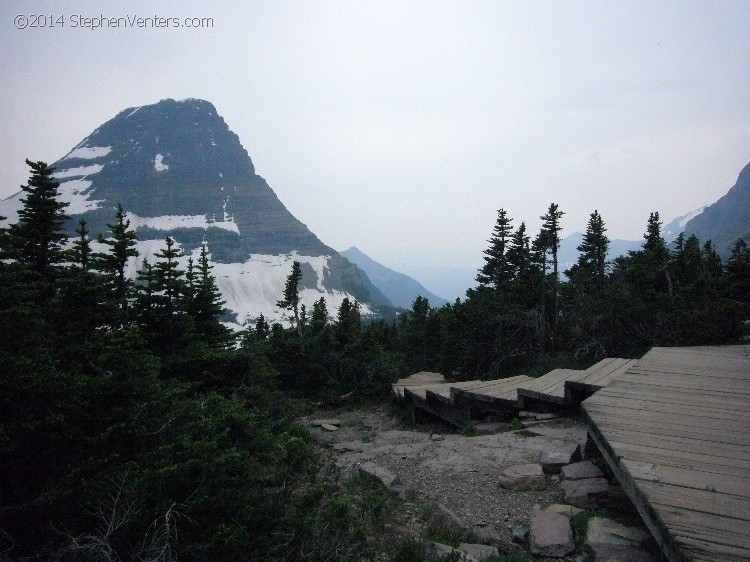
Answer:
(589, 493)
(388, 479)
(557, 455)
(523, 477)
(581, 470)
(550, 535)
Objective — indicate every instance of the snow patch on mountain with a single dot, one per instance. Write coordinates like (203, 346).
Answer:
(79, 171)
(171, 222)
(76, 194)
(88, 152)
(159, 166)
(253, 287)
(9, 208)
(687, 218)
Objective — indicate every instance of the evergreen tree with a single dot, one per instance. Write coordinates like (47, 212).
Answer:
(319, 317)
(80, 253)
(496, 272)
(551, 228)
(592, 261)
(349, 321)
(262, 327)
(208, 305)
(38, 237)
(738, 273)
(519, 253)
(168, 277)
(291, 298)
(121, 243)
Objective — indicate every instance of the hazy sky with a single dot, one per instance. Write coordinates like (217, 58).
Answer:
(401, 127)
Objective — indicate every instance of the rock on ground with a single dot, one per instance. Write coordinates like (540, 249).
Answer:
(554, 458)
(589, 493)
(478, 551)
(581, 470)
(612, 542)
(388, 479)
(523, 477)
(550, 535)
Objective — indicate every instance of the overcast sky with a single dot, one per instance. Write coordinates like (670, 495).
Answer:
(401, 127)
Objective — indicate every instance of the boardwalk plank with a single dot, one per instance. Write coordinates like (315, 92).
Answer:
(688, 478)
(718, 433)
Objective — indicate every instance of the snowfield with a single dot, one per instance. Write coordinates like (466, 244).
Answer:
(251, 288)
(88, 152)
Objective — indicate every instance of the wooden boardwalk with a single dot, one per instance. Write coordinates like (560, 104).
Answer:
(460, 402)
(675, 429)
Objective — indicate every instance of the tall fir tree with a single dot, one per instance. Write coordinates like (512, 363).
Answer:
(207, 304)
(291, 300)
(121, 245)
(592, 260)
(38, 238)
(551, 228)
(496, 272)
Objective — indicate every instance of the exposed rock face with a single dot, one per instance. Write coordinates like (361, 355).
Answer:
(727, 219)
(179, 171)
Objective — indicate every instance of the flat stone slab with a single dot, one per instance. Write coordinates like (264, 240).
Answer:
(588, 493)
(478, 551)
(320, 423)
(568, 511)
(388, 479)
(612, 542)
(581, 470)
(606, 531)
(555, 457)
(550, 535)
(328, 427)
(523, 477)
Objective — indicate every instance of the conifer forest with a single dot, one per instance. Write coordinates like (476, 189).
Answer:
(135, 426)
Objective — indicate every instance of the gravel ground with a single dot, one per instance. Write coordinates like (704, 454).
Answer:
(436, 464)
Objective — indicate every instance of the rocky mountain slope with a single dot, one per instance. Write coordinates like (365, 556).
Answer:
(726, 220)
(400, 289)
(179, 171)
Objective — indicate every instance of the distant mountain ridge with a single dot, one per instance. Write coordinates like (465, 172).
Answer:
(400, 289)
(726, 220)
(179, 171)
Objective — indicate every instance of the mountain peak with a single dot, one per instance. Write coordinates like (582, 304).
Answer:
(179, 171)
